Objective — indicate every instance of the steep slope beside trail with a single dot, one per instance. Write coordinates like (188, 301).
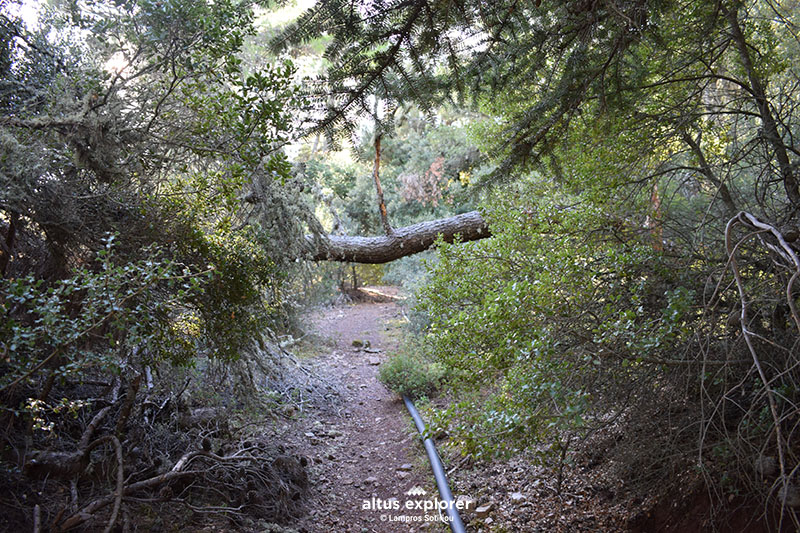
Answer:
(367, 448)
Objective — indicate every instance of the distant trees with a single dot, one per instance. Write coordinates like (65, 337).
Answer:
(425, 171)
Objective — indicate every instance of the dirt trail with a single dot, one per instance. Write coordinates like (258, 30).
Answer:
(366, 453)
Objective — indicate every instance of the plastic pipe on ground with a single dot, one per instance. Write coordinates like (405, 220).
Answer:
(456, 525)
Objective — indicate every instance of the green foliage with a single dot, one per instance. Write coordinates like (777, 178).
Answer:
(530, 317)
(430, 167)
(98, 317)
(146, 126)
(149, 120)
(137, 120)
(111, 316)
(410, 271)
(410, 372)
(330, 174)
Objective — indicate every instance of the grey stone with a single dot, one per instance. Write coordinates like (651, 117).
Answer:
(484, 510)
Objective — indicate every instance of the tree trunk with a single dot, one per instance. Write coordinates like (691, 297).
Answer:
(387, 228)
(767, 119)
(7, 247)
(402, 242)
(705, 169)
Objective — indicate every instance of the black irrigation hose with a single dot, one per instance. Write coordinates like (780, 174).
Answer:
(456, 525)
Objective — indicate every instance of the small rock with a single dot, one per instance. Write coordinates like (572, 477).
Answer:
(488, 521)
(405, 468)
(402, 475)
(483, 510)
(468, 502)
(370, 480)
(373, 361)
(310, 435)
(517, 497)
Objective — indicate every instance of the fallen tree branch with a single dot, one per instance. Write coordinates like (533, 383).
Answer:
(84, 445)
(87, 512)
(60, 464)
(127, 406)
(404, 241)
(176, 472)
(37, 519)
(785, 251)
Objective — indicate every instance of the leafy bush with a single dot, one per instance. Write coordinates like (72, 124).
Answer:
(108, 317)
(409, 272)
(410, 373)
(549, 326)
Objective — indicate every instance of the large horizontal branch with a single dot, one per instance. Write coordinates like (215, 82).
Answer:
(402, 242)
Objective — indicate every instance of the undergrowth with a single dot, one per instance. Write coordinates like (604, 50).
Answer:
(410, 372)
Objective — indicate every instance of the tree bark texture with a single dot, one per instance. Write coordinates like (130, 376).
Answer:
(402, 242)
(387, 228)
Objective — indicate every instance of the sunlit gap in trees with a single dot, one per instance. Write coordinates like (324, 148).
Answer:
(116, 64)
(27, 10)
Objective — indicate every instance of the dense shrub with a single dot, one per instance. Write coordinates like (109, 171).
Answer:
(555, 327)
(409, 372)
